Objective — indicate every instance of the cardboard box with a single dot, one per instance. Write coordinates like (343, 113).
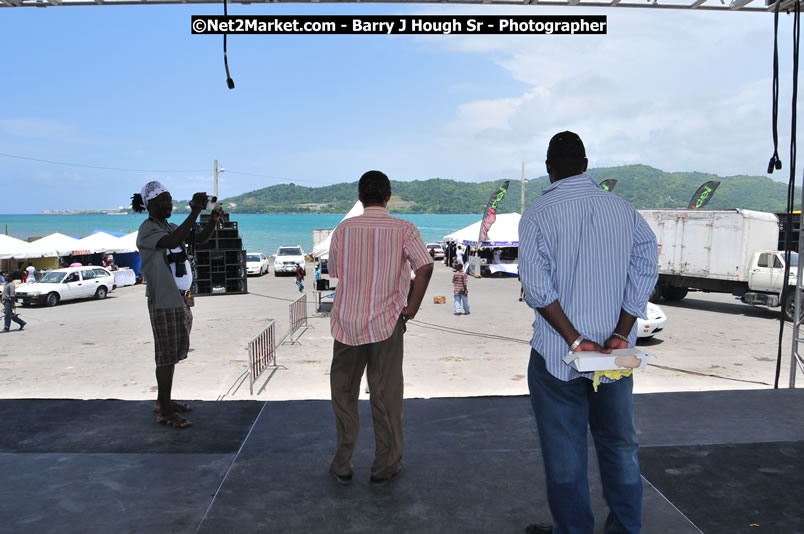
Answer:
(584, 362)
(439, 300)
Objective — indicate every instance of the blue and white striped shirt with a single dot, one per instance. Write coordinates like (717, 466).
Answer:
(590, 250)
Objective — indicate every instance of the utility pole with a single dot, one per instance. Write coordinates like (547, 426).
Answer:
(522, 191)
(216, 179)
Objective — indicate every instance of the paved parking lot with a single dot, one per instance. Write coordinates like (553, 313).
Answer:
(104, 349)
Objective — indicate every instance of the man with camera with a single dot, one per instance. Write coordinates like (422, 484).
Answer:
(168, 274)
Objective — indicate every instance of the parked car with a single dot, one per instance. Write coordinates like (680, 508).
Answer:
(67, 284)
(654, 324)
(436, 251)
(256, 263)
(286, 258)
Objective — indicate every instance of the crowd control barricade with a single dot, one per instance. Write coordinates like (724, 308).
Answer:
(261, 353)
(298, 316)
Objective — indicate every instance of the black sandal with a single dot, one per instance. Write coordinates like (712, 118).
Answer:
(174, 420)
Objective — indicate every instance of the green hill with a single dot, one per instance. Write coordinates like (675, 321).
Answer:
(644, 187)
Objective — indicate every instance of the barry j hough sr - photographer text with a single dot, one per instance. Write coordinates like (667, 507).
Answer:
(378, 25)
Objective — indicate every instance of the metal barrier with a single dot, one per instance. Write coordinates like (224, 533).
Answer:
(261, 353)
(298, 316)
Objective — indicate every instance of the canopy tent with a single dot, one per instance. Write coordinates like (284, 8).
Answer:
(97, 242)
(321, 250)
(503, 233)
(11, 247)
(127, 243)
(51, 246)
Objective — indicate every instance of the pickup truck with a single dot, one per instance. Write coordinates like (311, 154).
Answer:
(286, 258)
(722, 251)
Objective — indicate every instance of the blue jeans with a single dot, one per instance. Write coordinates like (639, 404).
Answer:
(461, 300)
(563, 410)
(300, 283)
(8, 312)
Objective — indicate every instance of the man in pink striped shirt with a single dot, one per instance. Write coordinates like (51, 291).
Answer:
(372, 256)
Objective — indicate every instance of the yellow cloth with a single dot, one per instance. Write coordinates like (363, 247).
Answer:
(613, 375)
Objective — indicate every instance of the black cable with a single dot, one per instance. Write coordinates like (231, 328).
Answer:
(458, 331)
(229, 80)
(90, 166)
(775, 162)
(791, 189)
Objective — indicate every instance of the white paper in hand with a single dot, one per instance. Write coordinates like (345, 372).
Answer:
(619, 359)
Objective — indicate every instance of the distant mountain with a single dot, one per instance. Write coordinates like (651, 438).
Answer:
(643, 186)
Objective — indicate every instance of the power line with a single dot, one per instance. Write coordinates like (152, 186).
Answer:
(99, 167)
(92, 166)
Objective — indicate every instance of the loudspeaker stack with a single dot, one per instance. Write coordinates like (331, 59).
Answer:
(219, 267)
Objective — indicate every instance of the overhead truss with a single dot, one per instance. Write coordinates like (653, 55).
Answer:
(701, 5)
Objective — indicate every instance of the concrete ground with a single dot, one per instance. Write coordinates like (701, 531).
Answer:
(104, 349)
(712, 461)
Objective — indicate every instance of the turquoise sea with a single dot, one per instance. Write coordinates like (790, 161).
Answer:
(260, 233)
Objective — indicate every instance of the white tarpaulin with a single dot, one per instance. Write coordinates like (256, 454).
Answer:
(51, 246)
(503, 233)
(98, 242)
(127, 243)
(11, 247)
(321, 250)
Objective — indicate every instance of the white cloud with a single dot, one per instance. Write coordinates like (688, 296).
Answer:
(676, 90)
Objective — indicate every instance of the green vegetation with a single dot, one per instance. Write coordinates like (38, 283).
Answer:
(644, 187)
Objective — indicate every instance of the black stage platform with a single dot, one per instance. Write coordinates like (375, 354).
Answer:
(716, 462)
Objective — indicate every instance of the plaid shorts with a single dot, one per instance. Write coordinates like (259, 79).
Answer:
(171, 329)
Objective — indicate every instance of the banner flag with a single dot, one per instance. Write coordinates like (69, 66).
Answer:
(703, 195)
(608, 185)
(490, 214)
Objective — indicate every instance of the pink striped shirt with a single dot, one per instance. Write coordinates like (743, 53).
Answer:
(372, 255)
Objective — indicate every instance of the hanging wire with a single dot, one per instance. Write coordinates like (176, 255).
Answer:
(791, 189)
(775, 162)
(229, 80)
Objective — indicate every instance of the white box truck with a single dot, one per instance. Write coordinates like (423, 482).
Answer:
(722, 251)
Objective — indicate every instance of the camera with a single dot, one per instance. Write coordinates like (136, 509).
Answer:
(211, 203)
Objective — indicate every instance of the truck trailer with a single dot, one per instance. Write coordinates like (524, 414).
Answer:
(722, 251)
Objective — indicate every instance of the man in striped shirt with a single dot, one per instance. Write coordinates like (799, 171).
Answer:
(588, 263)
(372, 255)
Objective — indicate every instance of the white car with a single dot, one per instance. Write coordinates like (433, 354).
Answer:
(436, 251)
(67, 284)
(654, 324)
(256, 263)
(286, 258)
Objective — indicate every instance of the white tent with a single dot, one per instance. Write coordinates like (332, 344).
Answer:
(127, 243)
(321, 250)
(11, 247)
(98, 242)
(503, 233)
(51, 246)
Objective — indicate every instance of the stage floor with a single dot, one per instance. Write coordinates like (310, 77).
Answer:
(713, 462)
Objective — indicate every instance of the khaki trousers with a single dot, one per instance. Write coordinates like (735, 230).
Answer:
(383, 361)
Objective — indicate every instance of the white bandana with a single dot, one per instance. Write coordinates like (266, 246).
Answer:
(150, 191)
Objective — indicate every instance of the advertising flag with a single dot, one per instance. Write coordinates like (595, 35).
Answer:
(608, 185)
(703, 195)
(491, 212)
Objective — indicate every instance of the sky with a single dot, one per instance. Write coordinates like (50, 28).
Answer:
(130, 88)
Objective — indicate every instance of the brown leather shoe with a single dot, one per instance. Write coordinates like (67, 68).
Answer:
(343, 480)
(383, 481)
